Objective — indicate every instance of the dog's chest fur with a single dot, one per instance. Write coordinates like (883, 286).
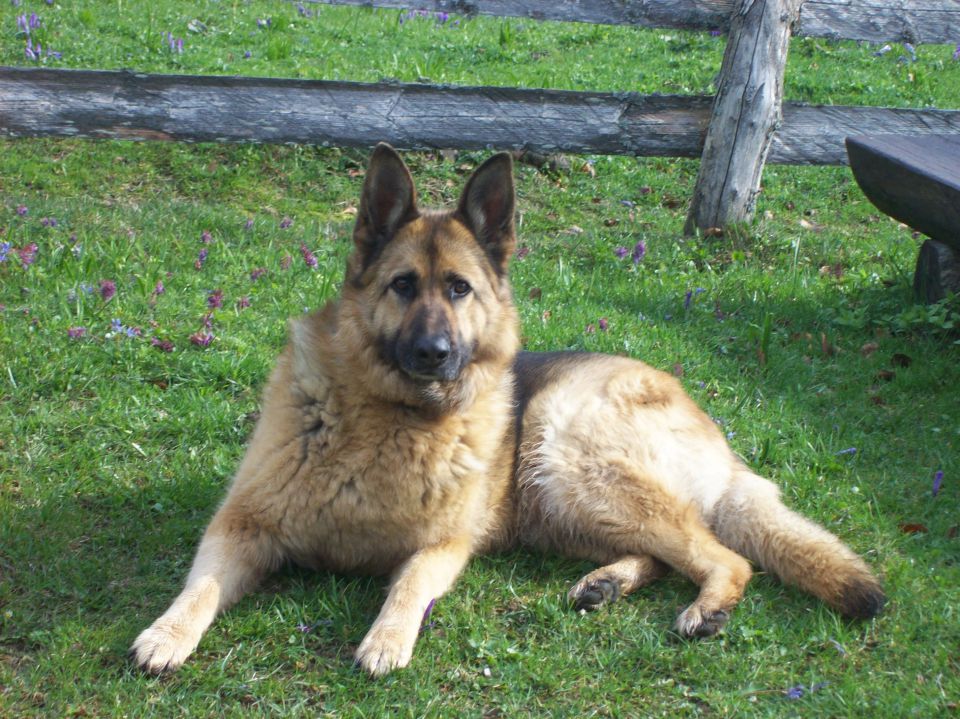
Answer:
(361, 485)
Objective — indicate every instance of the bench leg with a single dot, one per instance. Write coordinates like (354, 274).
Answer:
(937, 273)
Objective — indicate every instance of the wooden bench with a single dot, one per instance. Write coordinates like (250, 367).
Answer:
(916, 179)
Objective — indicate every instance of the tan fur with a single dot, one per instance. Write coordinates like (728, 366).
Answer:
(369, 458)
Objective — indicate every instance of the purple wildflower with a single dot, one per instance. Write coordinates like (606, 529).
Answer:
(621, 252)
(22, 210)
(162, 345)
(28, 254)
(205, 237)
(207, 320)
(603, 324)
(304, 628)
(4, 250)
(285, 223)
(87, 288)
(247, 54)
(48, 222)
(303, 11)
(716, 32)
(159, 289)
(796, 692)
(686, 299)
(937, 482)
(243, 303)
(308, 257)
(116, 326)
(33, 52)
(257, 273)
(201, 339)
(426, 616)
(108, 288)
(639, 252)
(133, 331)
(76, 333)
(175, 44)
(201, 258)
(215, 299)
(248, 225)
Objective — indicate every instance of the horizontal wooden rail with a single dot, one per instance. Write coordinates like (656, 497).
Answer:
(124, 105)
(916, 21)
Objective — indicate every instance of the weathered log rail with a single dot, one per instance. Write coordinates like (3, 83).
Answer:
(914, 21)
(36, 102)
(735, 133)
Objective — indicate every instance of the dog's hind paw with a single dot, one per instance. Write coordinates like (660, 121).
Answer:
(161, 648)
(695, 622)
(592, 593)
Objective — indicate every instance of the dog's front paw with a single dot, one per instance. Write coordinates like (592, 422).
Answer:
(162, 647)
(383, 650)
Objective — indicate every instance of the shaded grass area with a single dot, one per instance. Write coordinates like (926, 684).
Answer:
(798, 334)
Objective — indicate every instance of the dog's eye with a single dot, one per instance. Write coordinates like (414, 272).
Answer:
(402, 285)
(459, 288)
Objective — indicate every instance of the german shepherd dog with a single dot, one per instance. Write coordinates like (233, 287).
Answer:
(402, 432)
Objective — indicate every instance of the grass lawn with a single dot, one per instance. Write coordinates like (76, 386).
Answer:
(144, 290)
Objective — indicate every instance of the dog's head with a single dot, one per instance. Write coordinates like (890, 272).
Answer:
(429, 289)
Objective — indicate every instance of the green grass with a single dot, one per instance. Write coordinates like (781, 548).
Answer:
(113, 453)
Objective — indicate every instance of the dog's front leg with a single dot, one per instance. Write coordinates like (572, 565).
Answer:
(422, 578)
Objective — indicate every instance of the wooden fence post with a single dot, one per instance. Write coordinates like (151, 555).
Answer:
(746, 113)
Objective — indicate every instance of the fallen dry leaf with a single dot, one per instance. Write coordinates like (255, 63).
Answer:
(901, 360)
(535, 293)
(913, 528)
(869, 348)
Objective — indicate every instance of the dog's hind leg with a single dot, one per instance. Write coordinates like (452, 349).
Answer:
(608, 583)
(230, 562)
(616, 511)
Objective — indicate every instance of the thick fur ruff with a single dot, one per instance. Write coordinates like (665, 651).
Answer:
(401, 433)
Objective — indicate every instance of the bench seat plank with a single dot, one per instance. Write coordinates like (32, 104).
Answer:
(912, 178)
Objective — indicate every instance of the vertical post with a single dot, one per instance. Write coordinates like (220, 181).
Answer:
(746, 113)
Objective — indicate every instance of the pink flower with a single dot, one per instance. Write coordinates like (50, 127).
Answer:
(205, 237)
(201, 339)
(257, 273)
(603, 324)
(162, 345)
(308, 256)
(243, 303)
(201, 258)
(28, 254)
(108, 288)
(76, 333)
(285, 223)
(215, 299)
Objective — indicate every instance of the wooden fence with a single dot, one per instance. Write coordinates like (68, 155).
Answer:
(734, 132)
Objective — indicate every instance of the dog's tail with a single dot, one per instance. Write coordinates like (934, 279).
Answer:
(751, 520)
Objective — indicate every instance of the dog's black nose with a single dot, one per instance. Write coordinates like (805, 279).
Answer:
(432, 351)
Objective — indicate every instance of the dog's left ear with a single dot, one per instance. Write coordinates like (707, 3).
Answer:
(487, 207)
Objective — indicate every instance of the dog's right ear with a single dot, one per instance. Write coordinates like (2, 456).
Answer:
(388, 202)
